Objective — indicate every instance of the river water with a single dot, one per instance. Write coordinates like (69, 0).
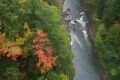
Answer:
(81, 46)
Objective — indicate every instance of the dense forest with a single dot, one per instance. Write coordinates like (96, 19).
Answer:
(106, 14)
(34, 44)
(31, 41)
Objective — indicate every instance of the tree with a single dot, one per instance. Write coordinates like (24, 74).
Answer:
(108, 49)
(39, 15)
(111, 11)
(99, 8)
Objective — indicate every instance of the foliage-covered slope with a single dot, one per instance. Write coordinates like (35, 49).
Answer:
(107, 42)
(19, 22)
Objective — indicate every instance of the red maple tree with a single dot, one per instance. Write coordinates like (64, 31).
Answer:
(44, 52)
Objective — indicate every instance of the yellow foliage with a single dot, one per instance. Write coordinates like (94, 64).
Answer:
(12, 49)
(14, 52)
(63, 76)
(27, 35)
(19, 41)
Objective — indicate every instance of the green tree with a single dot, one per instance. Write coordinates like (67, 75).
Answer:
(99, 8)
(108, 49)
(111, 11)
(9, 17)
(39, 15)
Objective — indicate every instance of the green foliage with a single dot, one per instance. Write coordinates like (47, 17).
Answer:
(111, 11)
(51, 2)
(41, 78)
(12, 73)
(108, 48)
(50, 23)
(99, 8)
(9, 70)
(53, 76)
(107, 10)
(39, 15)
(9, 17)
(58, 35)
(107, 42)
(63, 77)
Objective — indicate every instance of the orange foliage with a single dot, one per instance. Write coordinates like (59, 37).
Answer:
(12, 49)
(9, 49)
(43, 52)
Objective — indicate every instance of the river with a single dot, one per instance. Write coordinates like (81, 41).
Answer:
(80, 46)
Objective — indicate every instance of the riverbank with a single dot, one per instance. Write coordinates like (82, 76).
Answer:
(93, 30)
(60, 2)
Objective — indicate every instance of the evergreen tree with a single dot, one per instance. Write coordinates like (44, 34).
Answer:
(99, 8)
